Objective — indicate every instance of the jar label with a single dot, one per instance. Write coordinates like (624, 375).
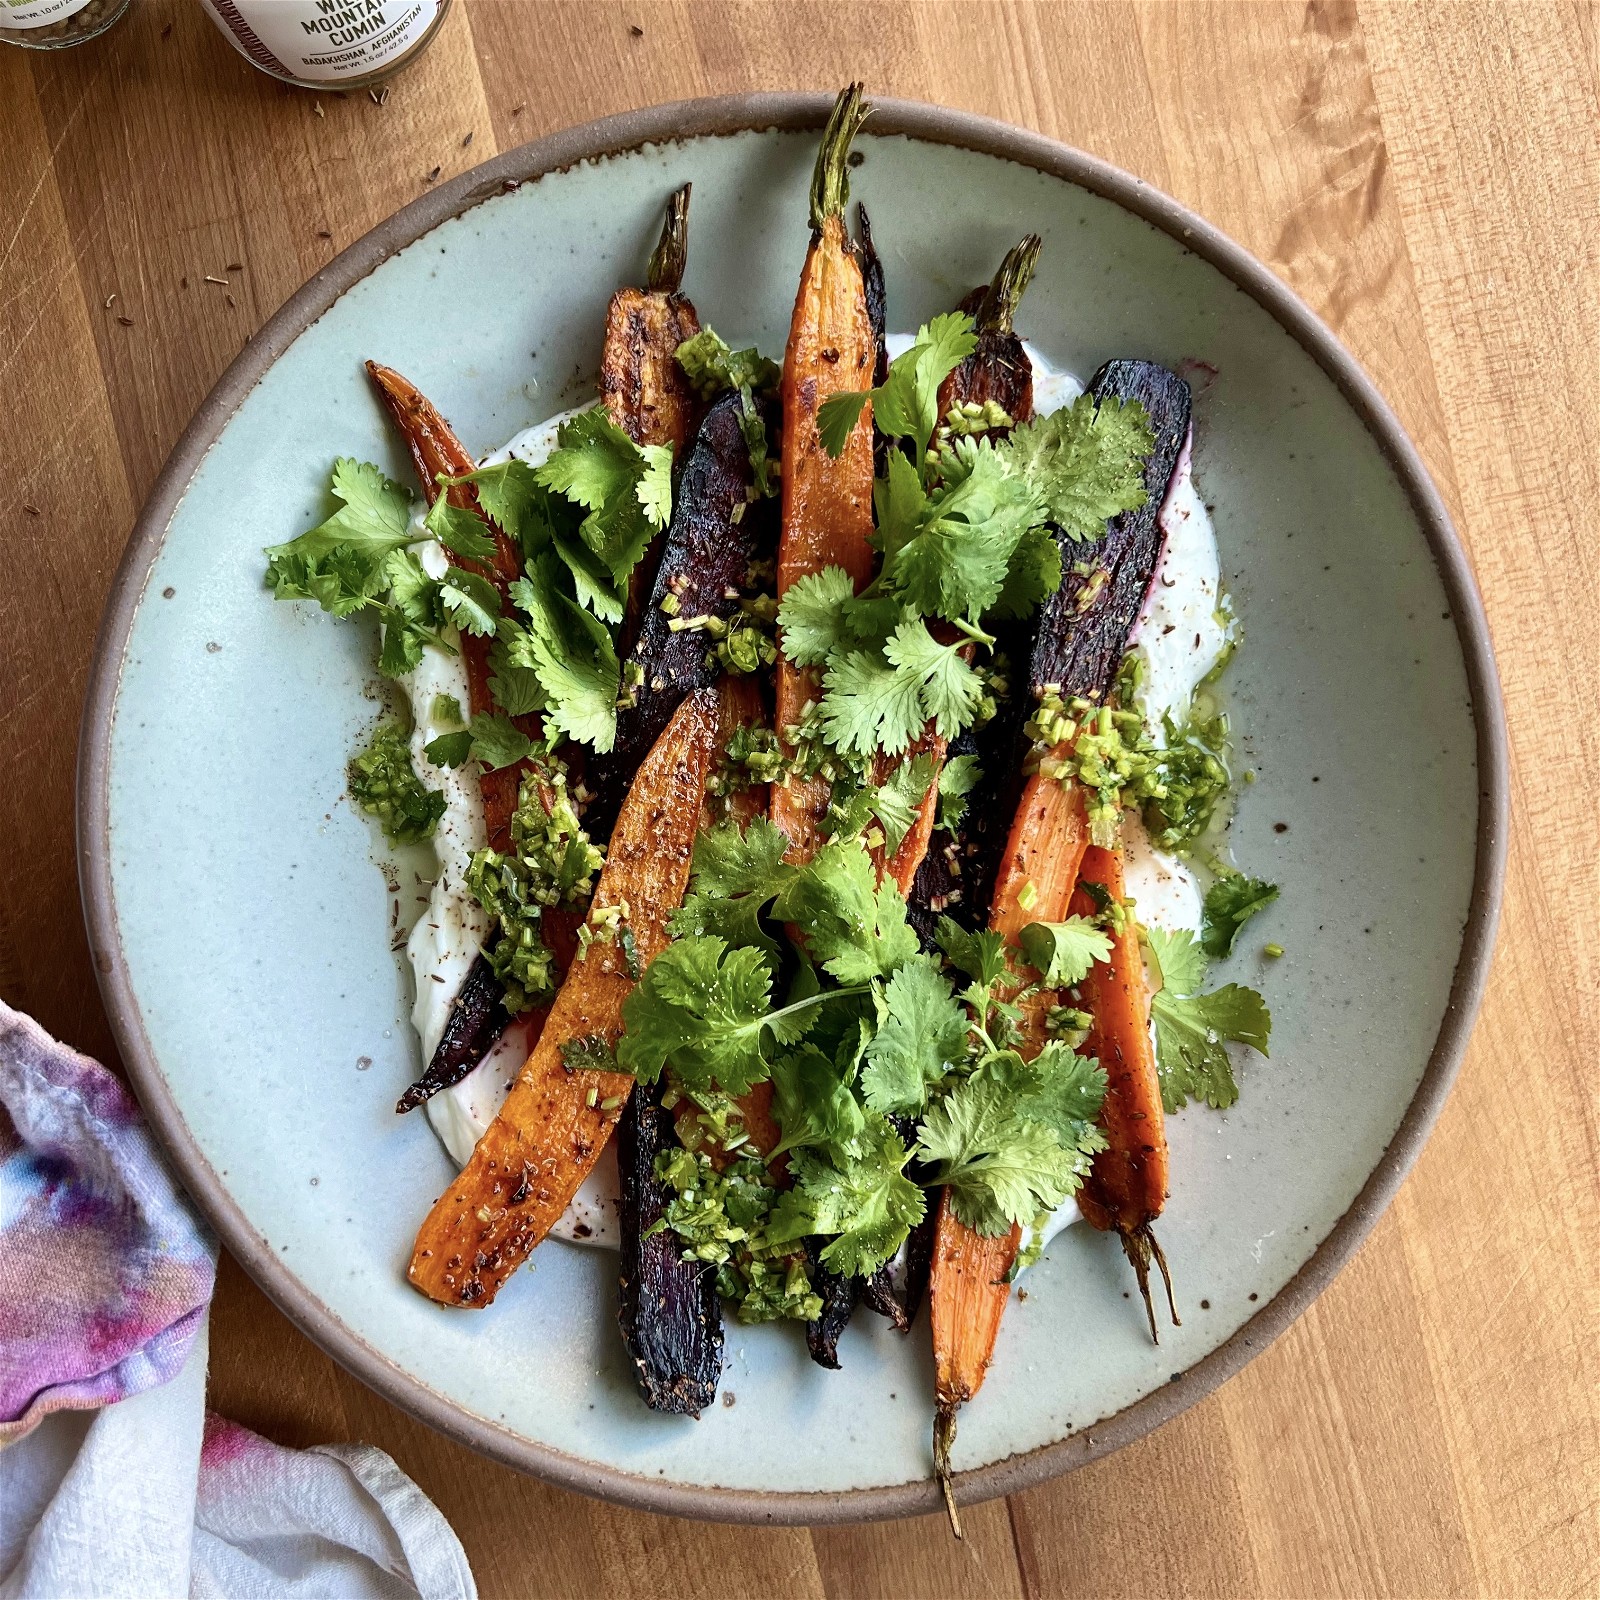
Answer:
(21, 14)
(323, 40)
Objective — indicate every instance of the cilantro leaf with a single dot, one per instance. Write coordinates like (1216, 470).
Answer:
(994, 1141)
(959, 776)
(516, 688)
(403, 643)
(906, 404)
(950, 691)
(1063, 952)
(459, 530)
(813, 1103)
(813, 616)
(511, 494)
(955, 563)
(853, 927)
(374, 516)
(1064, 1091)
(981, 955)
(1179, 962)
(341, 563)
(449, 749)
(471, 601)
(897, 800)
(733, 878)
(498, 742)
(1193, 1029)
(654, 488)
(861, 1197)
(921, 1035)
(592, 580)
(701, 1009)
(1032, 576)
(1085, 461)
(1230, 902)
(570, 652)
(837, 417)
(869, 705)
(626, 490)
(876, 700)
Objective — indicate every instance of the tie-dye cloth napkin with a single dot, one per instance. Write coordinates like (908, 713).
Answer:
(113, 1479)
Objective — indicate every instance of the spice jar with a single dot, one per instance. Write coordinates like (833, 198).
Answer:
(56, 24)
(328, 44)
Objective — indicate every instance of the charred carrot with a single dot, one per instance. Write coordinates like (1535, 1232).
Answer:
(643, 388)
(827, 501)
(998, 370)
(436, 452)
(1127, 1188)
(693, 601)
(646, 392)
(562, 1108)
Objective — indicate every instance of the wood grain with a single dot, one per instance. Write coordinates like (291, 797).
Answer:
(1428, 176)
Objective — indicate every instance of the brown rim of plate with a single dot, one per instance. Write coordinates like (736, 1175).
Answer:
(693, 119)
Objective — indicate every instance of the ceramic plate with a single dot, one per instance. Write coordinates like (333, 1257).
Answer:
(242, 929)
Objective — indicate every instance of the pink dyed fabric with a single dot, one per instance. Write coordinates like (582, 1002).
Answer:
(105, 1273)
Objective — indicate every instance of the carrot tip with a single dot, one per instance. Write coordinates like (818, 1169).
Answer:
(944, 1435)
(1141, 1247)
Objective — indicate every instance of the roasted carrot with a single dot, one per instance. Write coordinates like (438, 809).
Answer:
(902, 864)
(642, 386)
(436, 452)
(967, 1288)
(999, 369)
(1127, 1187)
(738, 706)
(559, 1113)
(966, 1298)
(827, 502)
(647, 393)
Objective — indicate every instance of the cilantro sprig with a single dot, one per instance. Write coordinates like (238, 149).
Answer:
(1193, 1029)
(580, 522)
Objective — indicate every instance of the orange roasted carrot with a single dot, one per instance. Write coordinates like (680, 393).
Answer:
(436, 452)
(1127, 1187)
(827, 501)
(738, 706)
(967, 1287)
(557, 1117)
(903, 863)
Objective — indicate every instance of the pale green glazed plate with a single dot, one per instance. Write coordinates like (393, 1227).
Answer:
(241, 925)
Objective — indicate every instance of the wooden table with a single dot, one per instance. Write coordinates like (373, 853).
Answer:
(1428, 177)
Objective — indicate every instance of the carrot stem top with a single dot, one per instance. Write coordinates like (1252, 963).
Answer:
(830, 182)
(1010, 284)
(671, 255)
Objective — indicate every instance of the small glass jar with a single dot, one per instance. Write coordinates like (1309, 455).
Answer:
(56, 24)
(329, 44)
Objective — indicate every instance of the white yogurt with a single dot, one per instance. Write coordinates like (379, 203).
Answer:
(1178, 634)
